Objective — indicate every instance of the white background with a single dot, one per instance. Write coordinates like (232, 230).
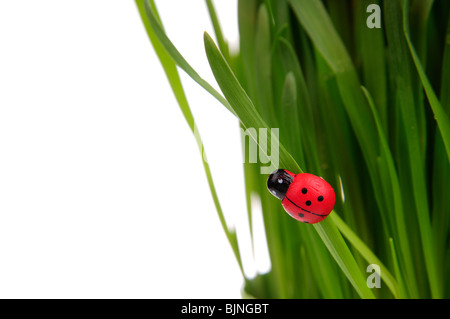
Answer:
(102, 189)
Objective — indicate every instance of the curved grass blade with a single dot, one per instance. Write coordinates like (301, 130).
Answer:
(398, 209)
(441, 172)
(368, 255)
(332, 238)
(394, 189)
(243, 106)
(223, 45)
(241, 103)
(304, 113)
(289, 129)
(395, 36)
(442, 118)
(177, 88)
(398, 273)
(316, 22)
(371, 46)
(164, 41)
(263, 75)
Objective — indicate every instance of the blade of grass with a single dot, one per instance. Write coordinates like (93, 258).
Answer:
(242, 104)
(447, 271)
(398, 274)
(237, 97)
(371, 46)
(325, 274)
(321, 261)
(340, 15)
(177, 88)
(443, 123)
(338, 138)
(154, 24)
(316, 22)
(368, 255)
(247, 13)
(441, 171)
(273, 222)
(419, 12)
(223, 45)
(289, 128)
(330, 235)
(310, 290)
(393, 189)
(256, 120)
(246, 21)
(406, 105)
(281, 15)
(250, 118)
(264, 101)
(442, 119)
(304, 113)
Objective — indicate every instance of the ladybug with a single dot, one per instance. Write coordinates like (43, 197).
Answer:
(306, 197)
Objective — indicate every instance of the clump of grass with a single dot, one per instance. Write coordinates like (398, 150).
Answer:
(367, 109)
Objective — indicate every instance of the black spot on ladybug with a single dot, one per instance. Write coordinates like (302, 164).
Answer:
(301, 215)
(320, 198)
(308, 203)
(304, 190)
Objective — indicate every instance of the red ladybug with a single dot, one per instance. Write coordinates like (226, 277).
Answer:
(306, 197)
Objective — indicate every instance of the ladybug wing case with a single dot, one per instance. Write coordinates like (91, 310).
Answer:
(309, 199)
(305, 197)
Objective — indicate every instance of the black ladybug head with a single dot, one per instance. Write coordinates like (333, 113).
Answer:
(278, 183)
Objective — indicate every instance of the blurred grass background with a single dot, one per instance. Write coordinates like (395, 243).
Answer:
(367, 109)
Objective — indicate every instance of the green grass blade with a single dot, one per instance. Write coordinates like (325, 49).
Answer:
(324, 269)
(250, 118)
(398, 210)
(241, 103)
(406, 104)
(398, 274)
(442, 118)
(330, 235)
(316, 22)
(306, 136)
(164, 41)
(247, 13)
(338, 138)
(289, 128)
(441, 172)
(264, 101)
(370, 44)
(368, 255)
(419, 12)
(445, 83)
(223, 45)
(177, 88)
